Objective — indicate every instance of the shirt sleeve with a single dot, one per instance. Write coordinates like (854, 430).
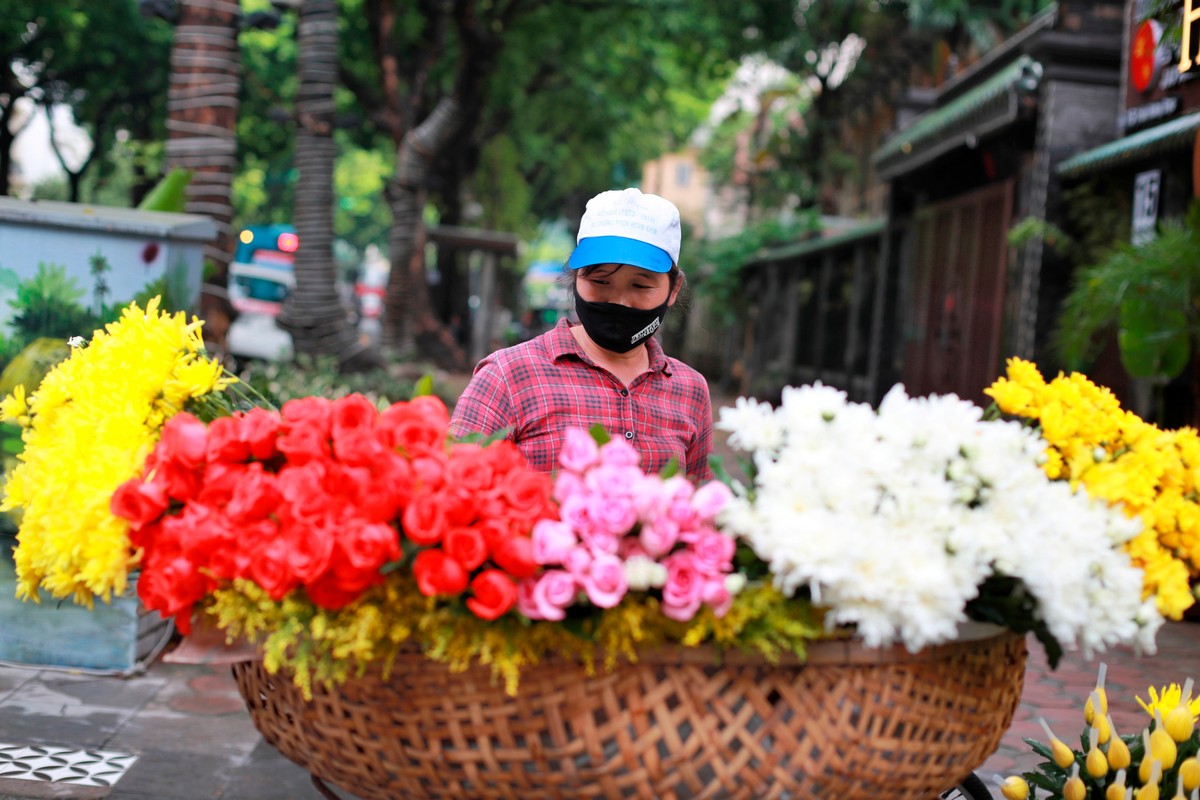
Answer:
(697, 467)
(485, 406)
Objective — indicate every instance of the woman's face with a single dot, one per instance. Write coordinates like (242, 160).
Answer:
(625, 285)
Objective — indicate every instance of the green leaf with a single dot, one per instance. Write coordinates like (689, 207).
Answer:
(670, 469)
(601, 435)
(424, 386)
(1153, 338)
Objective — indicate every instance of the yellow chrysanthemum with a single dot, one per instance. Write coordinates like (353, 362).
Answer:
(1166, 699)
(88, 427)
(1118, 457)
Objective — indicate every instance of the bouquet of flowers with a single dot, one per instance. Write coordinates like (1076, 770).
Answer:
(907, 520)
(1118, 457)
(335, 534)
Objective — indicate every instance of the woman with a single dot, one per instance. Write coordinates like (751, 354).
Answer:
(609, 369)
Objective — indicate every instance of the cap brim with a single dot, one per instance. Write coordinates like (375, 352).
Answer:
(619, 250)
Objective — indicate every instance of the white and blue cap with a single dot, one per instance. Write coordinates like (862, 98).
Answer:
(625, 226)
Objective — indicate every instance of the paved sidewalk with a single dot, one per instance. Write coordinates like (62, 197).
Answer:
(193, 739)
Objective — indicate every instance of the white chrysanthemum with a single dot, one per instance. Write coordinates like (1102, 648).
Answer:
(892, 519)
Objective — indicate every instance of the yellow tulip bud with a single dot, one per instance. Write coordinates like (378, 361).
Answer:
(1074, 789)
(1178, 723)
(1097, 764)
(1014, 787)
(1189, 773)
(1149, 773)
(1097, 699)
(1162, 746)
(1148, 792)
(1116, 789)
(1118, 751)
(1103, 727)
(1062, 755)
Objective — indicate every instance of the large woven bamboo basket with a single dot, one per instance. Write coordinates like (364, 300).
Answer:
(682, 723)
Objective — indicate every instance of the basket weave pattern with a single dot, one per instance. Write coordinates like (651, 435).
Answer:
(849, 723)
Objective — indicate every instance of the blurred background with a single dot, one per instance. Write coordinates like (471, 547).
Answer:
(873, 191)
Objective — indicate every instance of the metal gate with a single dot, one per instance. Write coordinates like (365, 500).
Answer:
(953, 334)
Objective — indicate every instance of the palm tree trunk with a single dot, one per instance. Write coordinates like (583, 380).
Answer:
(202, 108)
(313, 312)
(408, 314)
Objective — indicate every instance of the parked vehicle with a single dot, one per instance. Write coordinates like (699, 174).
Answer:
(261, 277)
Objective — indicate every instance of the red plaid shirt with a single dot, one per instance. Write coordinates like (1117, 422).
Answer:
(541, 387)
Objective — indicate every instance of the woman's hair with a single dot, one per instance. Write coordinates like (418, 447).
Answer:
(568, 276)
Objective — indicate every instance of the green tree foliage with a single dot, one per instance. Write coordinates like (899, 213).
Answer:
(104, 61)
(1147, 294)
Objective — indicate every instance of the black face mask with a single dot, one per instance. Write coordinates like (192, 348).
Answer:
(618, 328)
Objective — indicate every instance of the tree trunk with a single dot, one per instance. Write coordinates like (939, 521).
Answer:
(202, 106)
(409, 324)
(313, 312)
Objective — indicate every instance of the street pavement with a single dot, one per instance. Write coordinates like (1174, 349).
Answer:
(193, 739)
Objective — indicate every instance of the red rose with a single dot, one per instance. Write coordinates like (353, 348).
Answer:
(466, 546)
(184, 441)
(469, 470)
(414, 428)
(220, 481)
(359, 447)
(304, 443)
(369, 546)
(260, 428)
(460, 507)
(255, 496)
(332, 592)
(200, 533)
(429, 471)
(269, 569)
(310, 550)
(494, 593)
(225, 442)
(308, 412)
(527, 494)
(352, 414)
(171, 586)
(424, 521)
(139, 502)
(438, 574)
(495, 532)
(515, 556)
(430, 407)
(392, 485)
(505, 456)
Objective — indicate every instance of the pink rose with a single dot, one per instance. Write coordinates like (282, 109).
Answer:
(658, 537)
(709, 499)
(577, 560)
(552, 540)
(579, 450)
(614, 480)
(605, 582)
(649, 498)
(613, 513)
(553, 592)
(684, 589)
(716, 595)
(576, 511)
(619, 453)
(600, 540)
(714, 552)
(678, 491)
(566, 485)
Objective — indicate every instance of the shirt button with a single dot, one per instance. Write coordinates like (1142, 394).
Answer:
(628, 434)
(624, 393)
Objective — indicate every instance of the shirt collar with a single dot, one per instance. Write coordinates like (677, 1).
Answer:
(562, 343)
